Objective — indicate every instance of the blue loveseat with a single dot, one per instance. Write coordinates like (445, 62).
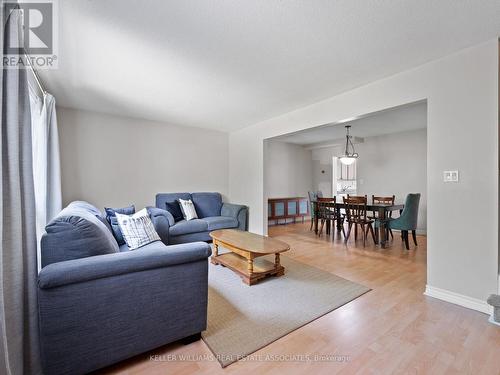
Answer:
(100, 303)
(212, 214)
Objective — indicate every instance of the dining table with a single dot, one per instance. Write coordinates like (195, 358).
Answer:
(383, 210)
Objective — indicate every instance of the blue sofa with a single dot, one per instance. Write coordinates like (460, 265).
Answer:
(212, 214)
(100, 303)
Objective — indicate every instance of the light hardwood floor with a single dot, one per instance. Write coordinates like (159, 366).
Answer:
(392, 329)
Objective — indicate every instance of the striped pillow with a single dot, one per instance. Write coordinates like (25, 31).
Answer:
(188, 210)
(137, 229)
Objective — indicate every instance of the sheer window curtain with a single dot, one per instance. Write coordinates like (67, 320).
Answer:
(46, 162)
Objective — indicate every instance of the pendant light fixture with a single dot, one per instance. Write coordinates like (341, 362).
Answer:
(349, 157)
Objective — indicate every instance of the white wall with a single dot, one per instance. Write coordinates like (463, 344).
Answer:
(462, 99)
(323, 169)
(388, 164)
(287, 170)
(116, 161)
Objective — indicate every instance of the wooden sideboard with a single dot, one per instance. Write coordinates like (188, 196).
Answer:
(287, 208)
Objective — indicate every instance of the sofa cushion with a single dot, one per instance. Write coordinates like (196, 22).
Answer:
(191, 226)
(169, 202)
(207, 204)
(111, 218)
(190, 237)
(220, 222)
(76, 232)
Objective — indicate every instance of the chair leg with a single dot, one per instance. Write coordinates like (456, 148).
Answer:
(390, 232)
(343, 230)
(364, 234)
(312, 223)
(414, 235)
(320, 232)
(405, 235)
(355, 231)
(346, 237)
(376, 239)
(370, 227)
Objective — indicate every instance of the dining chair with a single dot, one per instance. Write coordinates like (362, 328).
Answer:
(327, 214)
(355, 208)
(387, 200)
(356, 197)
(313, 197)
(408, 219)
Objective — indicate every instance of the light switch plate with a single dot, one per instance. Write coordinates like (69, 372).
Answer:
(450, 176)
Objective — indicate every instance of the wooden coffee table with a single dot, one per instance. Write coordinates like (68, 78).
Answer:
(244, 248)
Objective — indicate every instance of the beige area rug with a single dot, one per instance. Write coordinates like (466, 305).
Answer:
(243, 319)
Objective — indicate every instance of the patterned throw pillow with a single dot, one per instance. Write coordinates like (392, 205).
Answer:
(174, 208)
(188, 210)
(137, 229)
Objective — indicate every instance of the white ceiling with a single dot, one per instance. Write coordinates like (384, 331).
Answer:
(226, 64)
(400, 119)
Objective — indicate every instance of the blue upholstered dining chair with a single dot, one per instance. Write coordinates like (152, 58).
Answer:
(408, 219)
(313, 196)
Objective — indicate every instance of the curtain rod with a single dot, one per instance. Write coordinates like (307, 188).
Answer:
(28, 60)
(35, 74)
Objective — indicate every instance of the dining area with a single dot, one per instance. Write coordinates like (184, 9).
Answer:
(360, 183)
(365, 219)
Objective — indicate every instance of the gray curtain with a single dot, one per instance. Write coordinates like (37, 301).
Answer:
(19, 350)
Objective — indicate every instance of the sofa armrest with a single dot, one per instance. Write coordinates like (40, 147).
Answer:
(162, 221)
(238, 211)
(102, 266)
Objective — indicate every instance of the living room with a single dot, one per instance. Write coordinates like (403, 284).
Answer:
(143, 141)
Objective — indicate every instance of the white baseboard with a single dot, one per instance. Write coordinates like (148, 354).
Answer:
(458, 299)
(492, 321)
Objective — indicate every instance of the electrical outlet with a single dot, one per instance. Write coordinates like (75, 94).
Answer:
(450, 176)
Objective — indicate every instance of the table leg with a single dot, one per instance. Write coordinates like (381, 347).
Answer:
(250, 266)
(216, 248)
(213, 258)
(339, 221)
(315, 218)
(279, 270)
(382, 232)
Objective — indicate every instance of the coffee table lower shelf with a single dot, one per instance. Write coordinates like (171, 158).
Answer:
(260, 268)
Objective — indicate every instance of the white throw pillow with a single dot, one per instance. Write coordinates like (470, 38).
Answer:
(188, 210)
(137, 229)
